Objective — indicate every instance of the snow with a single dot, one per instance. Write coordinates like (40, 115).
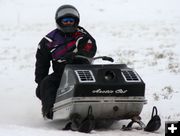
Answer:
(142, 34)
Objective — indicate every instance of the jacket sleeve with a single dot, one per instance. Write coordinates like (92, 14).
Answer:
(43, 58)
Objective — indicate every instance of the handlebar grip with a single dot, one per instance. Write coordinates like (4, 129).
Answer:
(108, 58)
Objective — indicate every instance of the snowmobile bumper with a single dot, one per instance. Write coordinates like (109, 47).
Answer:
(114, 108)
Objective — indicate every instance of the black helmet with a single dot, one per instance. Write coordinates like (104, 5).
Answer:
(67, 11)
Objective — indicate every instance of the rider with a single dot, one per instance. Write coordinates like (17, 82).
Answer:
(60, 47)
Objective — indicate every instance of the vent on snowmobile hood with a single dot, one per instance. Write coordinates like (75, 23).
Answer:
(85, 75)
(130, 75)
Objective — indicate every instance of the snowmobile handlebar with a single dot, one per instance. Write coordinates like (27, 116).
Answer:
(106, 58)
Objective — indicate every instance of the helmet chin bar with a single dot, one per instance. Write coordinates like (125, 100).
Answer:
(67, 29)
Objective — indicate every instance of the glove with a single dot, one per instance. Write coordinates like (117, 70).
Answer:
(81, 42)
(84, 46)
(69, 57)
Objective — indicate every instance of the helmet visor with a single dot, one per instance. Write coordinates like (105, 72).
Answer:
(68, 21)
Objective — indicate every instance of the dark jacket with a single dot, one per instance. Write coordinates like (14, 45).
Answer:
(56, 45)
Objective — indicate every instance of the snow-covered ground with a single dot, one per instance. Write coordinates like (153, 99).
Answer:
(142, 34)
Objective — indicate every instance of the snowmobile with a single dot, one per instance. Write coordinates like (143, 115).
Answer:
(92, 95)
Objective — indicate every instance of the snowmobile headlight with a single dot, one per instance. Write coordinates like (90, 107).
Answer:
(109, 75)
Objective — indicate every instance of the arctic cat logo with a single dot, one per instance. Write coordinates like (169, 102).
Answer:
(103, 91)
(119, 91)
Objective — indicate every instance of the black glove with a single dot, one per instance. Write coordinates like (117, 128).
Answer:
(85, 47)
(69, 57)
(81, 42)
